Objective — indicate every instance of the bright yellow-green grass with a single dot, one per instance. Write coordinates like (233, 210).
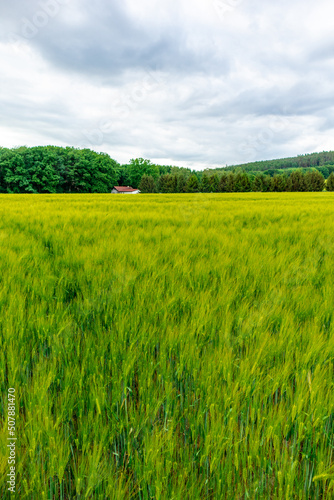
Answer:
(168, 346)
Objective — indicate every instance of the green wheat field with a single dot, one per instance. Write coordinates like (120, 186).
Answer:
(168, 347)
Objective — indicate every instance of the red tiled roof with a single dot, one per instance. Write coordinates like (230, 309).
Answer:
(124, 189)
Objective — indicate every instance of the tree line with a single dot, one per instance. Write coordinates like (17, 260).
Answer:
(236, 182)
(323, 161)
(52, 169)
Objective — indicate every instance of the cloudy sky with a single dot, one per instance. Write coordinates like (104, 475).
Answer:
(186, 82)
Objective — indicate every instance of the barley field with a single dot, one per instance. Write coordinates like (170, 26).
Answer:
(168, 347)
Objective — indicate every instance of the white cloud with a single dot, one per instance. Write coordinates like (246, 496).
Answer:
(182, 82)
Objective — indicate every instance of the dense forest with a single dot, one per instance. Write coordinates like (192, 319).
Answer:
(52, 169)
(318, 160)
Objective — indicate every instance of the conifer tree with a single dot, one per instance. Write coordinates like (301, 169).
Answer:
(181, 183)
(314, 181)
(230, 185)
(222, 186)
(147, 184)
(205, 183)
(297, 181)
(278, 183)
(330, 182)
(242, 182)
(165, 183)
(258, 183)
(214, 183)
(192, 184)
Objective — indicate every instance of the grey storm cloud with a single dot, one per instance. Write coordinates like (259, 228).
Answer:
(106, 40)
(179, 81)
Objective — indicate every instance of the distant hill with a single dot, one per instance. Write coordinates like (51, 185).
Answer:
(315, 160)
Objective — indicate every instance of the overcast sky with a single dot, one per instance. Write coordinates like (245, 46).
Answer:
(197, 83)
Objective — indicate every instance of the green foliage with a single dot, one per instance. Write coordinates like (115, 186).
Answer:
(123, 176)
(330, 182)
(192, 184)
(214, 183)
(181, 185)
(297, 181)
(271, 172)
(147, 184)
(51, 169)
(258, 183)
(230, 182)
(205, 183)
(314, 181)
(171, 179)
(139, 167)
(223, 183)
(241, 182)
(278, 183)
(313, 160)
(167, 183)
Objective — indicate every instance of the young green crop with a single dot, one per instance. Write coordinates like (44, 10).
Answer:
(168, 346)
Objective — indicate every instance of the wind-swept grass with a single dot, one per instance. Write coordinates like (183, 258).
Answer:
(168, 346)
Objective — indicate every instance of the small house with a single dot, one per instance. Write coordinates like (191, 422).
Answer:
(124, 190)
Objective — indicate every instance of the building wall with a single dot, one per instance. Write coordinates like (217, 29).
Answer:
(114, 191)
